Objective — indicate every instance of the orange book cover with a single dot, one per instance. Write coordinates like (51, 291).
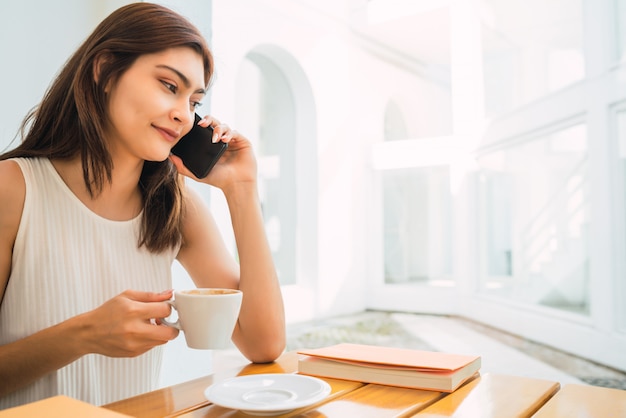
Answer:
(390, 366)
(391, 356)
(59, 407)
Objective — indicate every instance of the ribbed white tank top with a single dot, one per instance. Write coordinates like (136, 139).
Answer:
(67, 260)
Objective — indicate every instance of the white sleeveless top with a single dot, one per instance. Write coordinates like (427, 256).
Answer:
(66, 261)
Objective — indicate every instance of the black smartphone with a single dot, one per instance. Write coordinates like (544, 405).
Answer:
(197, 150)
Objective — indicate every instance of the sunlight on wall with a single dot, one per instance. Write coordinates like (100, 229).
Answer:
(386, 10)
(415, 153)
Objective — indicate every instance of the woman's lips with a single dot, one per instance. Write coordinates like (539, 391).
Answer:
(169, 134)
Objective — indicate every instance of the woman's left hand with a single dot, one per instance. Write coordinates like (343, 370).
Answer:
(236, 165)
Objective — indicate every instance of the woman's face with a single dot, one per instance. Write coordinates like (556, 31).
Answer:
(153, 103)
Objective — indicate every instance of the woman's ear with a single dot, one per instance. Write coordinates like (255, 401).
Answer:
(98, 64)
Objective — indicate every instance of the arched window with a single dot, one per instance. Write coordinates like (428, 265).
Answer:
(395, 125)
(274, 106)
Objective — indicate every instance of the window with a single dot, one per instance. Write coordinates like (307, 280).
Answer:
(395, 124)
(266, 107)
(530, 49)
(535, 203)
(417, 226)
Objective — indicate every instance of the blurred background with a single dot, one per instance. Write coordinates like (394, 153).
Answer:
(453, 157)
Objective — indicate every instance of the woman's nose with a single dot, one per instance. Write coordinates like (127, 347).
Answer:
(182, 112)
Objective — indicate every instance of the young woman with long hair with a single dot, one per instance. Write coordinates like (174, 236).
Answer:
(95, 210)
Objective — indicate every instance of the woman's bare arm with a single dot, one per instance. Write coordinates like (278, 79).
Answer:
(260, 331)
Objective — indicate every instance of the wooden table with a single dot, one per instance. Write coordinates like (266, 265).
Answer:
(581, 401)
(496, 396)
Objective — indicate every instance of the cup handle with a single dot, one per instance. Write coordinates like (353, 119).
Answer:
(175, 324)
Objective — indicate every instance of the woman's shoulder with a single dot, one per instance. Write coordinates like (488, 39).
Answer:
(12, 195)
(12, 178)
(12, 184)
(15, 172)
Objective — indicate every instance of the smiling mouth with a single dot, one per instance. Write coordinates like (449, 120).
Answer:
(169, 134)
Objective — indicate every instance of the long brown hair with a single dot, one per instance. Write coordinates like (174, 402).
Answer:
(71, 118)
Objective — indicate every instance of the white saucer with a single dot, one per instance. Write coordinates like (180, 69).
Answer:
(267, 394)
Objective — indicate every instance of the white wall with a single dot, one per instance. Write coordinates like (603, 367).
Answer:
(36, 38)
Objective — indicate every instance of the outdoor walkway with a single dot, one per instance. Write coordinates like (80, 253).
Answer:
(501, 352)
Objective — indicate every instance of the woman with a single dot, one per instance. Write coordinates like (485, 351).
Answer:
(95, 210)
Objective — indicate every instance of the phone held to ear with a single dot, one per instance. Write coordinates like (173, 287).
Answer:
(197, 150)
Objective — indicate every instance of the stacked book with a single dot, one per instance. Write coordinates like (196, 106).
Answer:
(429, 370)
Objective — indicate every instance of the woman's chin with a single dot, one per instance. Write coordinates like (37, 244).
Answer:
(158, 158)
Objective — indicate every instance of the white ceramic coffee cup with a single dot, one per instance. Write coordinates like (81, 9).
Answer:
(207, 316)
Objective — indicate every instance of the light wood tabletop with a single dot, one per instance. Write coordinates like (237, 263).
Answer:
(485, 396)
(582, 401)
(188, 396)
(494, 396)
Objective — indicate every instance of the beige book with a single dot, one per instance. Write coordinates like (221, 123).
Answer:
(428, 370)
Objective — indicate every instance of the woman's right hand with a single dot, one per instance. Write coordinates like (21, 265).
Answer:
(124, 326)
(127, 325)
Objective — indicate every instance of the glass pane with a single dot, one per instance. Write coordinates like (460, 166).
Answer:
(530, 48)
(534, 205)
(498, 241)
(417, 225)
(395, 124)
(267, 111)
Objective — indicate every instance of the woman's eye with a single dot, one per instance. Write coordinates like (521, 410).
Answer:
(169, 86)
(196, 105)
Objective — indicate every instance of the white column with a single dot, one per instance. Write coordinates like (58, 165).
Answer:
(468, 118)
